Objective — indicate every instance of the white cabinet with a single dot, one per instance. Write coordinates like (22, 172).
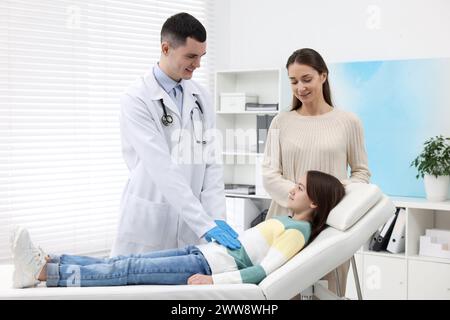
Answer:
(237, 128)
(384, 278)
(269, 86)
(408, 275)
(428, 280)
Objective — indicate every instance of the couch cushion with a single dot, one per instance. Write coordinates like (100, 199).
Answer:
(244, 291)
(358, 199)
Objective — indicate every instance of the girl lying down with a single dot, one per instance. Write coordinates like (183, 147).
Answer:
(265, 248)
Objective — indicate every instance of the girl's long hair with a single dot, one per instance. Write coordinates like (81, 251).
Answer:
(325, 191)
(314, 60)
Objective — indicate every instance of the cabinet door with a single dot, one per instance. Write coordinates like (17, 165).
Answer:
(384, 278)
(428, 280)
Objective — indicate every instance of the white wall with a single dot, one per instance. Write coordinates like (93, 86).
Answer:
(222, 36)
(263, 33)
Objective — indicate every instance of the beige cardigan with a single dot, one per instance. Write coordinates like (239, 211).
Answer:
(295, 144)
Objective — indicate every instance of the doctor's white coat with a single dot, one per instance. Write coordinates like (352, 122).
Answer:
(168, 201)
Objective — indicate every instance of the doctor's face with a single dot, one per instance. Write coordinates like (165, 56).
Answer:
(182, 61)
(306, 82)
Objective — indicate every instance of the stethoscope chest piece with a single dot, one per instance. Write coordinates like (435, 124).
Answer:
(167, 120)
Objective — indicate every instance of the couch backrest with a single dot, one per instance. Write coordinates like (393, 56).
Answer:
(358, 199)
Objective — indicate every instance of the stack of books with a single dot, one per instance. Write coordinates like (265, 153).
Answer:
(249, 106)
(240, 188)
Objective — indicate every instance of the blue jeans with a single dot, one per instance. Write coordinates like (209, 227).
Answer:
(173, 266)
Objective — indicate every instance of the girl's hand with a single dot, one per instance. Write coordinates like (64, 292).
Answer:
(200, 279)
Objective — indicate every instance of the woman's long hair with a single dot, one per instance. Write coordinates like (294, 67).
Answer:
(314, 60)
(325, 191)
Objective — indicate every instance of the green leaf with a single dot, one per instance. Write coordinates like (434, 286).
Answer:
(434, 158)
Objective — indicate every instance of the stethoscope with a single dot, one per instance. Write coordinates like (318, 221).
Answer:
(167, 119)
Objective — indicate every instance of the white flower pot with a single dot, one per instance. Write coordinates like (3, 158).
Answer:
(436, 188)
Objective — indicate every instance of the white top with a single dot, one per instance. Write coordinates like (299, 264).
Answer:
(295, 144)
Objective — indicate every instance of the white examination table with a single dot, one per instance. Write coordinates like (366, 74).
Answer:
(362, 211)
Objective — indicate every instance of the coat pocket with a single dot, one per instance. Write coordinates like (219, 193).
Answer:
(144, 221)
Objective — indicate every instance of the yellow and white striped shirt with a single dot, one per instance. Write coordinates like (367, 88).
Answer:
(265, 248)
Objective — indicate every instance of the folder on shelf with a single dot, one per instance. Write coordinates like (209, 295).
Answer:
(262, 126)
(260, 218)
(375, 237)
(397, 240)
(381, 238)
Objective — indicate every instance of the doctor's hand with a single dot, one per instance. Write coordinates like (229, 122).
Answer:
(200, 279)
(222, 237)
(227, 228)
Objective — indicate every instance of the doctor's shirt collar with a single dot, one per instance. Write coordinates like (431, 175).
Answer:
(165, 81)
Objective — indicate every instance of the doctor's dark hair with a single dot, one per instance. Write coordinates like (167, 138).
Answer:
(314, 60)
(325, 191)
(179, 27)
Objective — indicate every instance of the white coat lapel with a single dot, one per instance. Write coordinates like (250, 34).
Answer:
(189, 99)
(170, 105)
(158, 93)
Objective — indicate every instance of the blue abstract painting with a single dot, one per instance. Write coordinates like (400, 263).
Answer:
(401, 103)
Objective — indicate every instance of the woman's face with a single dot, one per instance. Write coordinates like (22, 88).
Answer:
(298, 199)
(306, 82)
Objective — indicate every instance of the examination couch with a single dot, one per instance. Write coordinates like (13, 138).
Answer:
(350, 225)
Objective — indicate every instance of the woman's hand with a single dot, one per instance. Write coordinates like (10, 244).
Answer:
(200, 279)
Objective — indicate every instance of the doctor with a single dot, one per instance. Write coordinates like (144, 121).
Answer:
(175, 192)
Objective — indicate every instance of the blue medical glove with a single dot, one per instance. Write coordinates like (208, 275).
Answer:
(219, 235)
(227, 228)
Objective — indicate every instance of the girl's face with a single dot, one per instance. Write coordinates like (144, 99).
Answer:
(306, 82)
(298, 200)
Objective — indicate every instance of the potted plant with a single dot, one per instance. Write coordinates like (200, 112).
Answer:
(433, 164)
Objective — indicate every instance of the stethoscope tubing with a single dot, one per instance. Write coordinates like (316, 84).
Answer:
(167, 119)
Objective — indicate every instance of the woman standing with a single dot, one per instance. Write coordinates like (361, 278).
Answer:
(312, 136)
